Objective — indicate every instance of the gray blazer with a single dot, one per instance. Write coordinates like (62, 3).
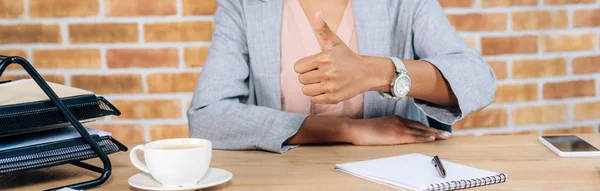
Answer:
(237, 103)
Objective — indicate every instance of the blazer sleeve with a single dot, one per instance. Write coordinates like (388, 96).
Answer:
(471, 79)
(218, 111)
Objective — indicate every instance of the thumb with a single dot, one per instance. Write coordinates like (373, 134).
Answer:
(329, 38)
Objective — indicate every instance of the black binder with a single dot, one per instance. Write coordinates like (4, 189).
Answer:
(17, 118)
(21, 120)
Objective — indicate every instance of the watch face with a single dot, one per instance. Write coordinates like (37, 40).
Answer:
(402, 86)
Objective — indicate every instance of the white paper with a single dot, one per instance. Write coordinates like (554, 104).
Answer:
(68, 189)
(411, 171)
(46, 137)
(12, 82)
(27, 91)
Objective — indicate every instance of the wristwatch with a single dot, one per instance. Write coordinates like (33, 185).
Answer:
(400, 86)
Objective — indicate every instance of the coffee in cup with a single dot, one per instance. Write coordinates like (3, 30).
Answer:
(174, 162)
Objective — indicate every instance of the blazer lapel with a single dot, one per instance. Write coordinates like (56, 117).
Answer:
(263, 20)
(373, 24)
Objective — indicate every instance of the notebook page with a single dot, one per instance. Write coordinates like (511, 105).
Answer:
(380, 181)
(26, 91)
(412, 171)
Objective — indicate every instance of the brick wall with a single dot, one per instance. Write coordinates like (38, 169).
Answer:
(146, 55)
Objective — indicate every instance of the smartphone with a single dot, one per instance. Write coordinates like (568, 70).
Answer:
(569, 146)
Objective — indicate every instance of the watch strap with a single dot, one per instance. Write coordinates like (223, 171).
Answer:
(399, 65)
(387, 95)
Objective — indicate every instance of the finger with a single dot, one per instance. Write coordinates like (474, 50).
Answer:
(314, 89)
(418, 132)
(311, 63)
(422, 139)
(419, 125)
(311, 77)
(441, 137)
(439, 134)
(325, 99)
(329, 37)
(305, 64)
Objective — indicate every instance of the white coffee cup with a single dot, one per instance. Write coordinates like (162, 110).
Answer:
(174, 162)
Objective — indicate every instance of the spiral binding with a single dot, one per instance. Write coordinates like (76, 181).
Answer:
(462, 184)
(54, 157)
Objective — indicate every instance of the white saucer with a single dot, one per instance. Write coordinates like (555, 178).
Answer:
(213, 177)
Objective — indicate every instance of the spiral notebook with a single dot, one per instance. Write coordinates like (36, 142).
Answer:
(416, 172)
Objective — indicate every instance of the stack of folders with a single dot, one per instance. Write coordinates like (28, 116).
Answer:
(35, 134)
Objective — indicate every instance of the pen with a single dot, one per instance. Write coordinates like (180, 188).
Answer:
(437, 163)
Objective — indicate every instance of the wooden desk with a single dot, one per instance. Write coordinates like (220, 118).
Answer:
(529, 165)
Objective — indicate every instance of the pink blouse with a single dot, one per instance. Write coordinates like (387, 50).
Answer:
(298, 40)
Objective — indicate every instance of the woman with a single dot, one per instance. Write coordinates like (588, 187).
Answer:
(277, 74)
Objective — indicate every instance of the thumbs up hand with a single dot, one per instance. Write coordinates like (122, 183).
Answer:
(337, 73)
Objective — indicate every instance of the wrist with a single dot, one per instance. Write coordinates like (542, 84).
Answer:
(384, 73)
(348, 129)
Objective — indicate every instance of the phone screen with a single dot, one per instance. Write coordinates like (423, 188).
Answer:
(570, 143)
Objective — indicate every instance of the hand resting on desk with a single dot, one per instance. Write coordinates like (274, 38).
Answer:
(387, 130)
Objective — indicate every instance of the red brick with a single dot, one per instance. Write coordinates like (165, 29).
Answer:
(188, 105)
(59, 79)
(530, 20)
(586, 65)
(516, 93)
(569, 42)
(178, 31)
(14, 52)
(509, 45)
(499, 68)
(103, 33)
(149, 109)
(63, 8)
(142, 58)
(479, 22)
(67, 58)
(539, 68)
(586, 18)
(569, 89)
(540, 114)
(29, 33)
(586, 111)
(471, 42)
(483, 118)
(108, 84)
(159, 132)
(195, 56)
(563, 2)
(140, 7)
(457, 3)
(499, 3)
(172, 82)
(11, 8)
(199, 7)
